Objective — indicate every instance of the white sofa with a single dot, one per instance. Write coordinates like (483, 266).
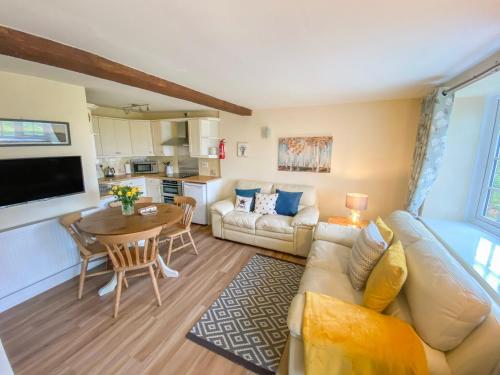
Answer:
(456, 320)
(277, 232)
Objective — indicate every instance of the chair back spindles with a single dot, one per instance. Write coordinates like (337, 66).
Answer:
(70, 222)
(188, 205)
(132, 250)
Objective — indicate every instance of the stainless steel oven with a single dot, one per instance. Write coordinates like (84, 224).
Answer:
(171, 189)
(145, 166)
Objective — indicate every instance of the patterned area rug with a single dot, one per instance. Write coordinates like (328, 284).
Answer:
(247, 323)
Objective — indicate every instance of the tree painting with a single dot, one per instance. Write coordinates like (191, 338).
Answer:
(305, 154)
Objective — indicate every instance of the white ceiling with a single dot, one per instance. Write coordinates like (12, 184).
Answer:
(267, 53)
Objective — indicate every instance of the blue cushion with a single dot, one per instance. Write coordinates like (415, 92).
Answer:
(248, 193)
(288, 202)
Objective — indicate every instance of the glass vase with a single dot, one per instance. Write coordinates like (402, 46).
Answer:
(127, 209)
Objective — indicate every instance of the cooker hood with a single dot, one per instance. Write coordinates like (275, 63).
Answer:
(179, 135)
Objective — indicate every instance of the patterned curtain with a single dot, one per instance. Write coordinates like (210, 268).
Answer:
(430, 146)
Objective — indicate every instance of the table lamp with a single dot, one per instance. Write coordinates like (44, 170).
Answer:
(356, 202)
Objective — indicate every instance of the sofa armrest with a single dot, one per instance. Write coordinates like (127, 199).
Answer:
(223, 207)
(340, 234)
(295, 313)
(308, 216)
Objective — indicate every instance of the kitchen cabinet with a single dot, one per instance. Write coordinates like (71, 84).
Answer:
(203, 135)
(97, 136)
(114, 135)
(107, 136)
(139, 183)
(140, 136)
(122, 137)
(154, 190)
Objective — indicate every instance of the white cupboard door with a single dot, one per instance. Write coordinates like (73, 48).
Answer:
(122, 137)
(198, 192)
(153, 190)
(97, 136)
(107, 135)
(194, 138)
(140, 135)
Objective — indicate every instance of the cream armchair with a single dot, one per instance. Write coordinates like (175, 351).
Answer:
(277, 232)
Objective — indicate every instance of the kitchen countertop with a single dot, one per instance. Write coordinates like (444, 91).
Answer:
(161, 176)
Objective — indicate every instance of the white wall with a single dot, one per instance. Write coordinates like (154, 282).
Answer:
(36, 257)
(372, 150)
(25, 97)
(449, 195)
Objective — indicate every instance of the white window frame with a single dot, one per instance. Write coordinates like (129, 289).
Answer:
(489, 141)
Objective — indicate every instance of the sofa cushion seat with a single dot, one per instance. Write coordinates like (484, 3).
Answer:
(239, 219)
(275, 223)
(325, 273)
(329, 255)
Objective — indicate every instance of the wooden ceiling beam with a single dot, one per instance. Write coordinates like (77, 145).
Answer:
(34, 48)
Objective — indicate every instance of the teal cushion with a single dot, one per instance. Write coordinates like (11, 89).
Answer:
(248, 193)
(288, 202)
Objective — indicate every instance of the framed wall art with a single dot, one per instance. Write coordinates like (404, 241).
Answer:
(34, 133)
(305, 154)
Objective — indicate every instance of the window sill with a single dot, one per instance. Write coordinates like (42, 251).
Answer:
(476, 249)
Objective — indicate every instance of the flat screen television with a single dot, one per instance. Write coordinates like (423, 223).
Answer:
(26, 180)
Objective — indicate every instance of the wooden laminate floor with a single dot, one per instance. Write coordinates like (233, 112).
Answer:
(54, 333)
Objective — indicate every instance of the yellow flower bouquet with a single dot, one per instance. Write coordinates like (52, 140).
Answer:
(127, 196)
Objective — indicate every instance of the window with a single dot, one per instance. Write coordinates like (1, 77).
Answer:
(487, 213)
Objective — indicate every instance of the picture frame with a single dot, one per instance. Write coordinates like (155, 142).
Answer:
(305, 154)
(242, 149)
(20, 132)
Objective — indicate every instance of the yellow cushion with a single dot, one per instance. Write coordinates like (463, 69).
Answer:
(386, 279)
(384, 230)
(345, 339)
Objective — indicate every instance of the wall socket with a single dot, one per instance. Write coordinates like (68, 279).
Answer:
(204, 164)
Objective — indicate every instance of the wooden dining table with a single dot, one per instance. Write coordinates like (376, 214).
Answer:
(111, 221)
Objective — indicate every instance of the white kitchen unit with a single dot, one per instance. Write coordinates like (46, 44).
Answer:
(205, 194)
(150, 187)
(203, 135)
(97, 136)
(121, 137)
(141, 140)
(154, 189)
(114, 135)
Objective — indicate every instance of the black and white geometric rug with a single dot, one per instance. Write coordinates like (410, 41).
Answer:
(247, 323)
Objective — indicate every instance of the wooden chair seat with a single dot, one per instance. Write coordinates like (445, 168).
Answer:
(97, 249)
(174, 231)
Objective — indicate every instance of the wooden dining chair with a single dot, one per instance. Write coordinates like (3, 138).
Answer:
(140, 200)
(133, 252)
(89, 249)
(177, 231)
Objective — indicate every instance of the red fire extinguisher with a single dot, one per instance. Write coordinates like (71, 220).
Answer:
(222, 153)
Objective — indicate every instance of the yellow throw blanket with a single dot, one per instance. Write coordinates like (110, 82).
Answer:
(341, 338)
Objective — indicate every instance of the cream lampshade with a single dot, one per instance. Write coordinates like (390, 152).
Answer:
(356, 202)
